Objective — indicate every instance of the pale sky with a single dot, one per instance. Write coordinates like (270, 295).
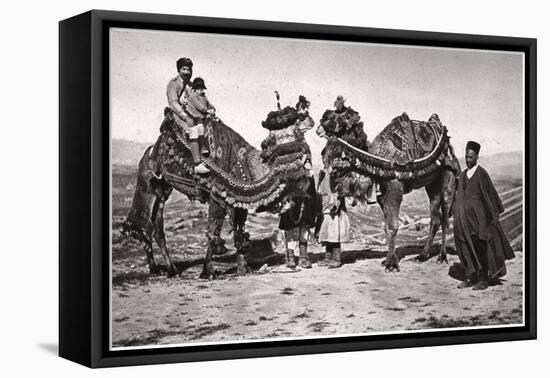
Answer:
(477, 94)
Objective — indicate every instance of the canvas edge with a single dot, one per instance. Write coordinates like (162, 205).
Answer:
(75, 337)
(100, 357)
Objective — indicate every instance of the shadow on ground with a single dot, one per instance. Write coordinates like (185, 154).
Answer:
(50, 348)
(256, 258)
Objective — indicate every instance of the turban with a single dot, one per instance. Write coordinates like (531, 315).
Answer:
(184, 62)
(474, 146)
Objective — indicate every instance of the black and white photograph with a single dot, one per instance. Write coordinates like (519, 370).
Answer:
(271, 189)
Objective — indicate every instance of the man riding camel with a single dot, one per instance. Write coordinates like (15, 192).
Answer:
(178, 92)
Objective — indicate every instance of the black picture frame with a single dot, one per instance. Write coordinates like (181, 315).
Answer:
(84, 147)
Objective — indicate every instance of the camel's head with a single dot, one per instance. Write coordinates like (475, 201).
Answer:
(296, 117)
(344, 123)
(304, 123)
(286, 142)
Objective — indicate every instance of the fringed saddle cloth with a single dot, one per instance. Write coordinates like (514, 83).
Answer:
(404, 140)
(238, 175)
(406, 149)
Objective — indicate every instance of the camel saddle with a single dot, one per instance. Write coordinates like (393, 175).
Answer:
(404, 140)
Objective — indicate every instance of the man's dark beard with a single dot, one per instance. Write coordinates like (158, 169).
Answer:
(187, 77)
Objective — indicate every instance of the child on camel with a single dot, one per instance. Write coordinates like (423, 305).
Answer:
(198, 108)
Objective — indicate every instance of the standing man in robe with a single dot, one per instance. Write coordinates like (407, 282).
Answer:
(480, 241)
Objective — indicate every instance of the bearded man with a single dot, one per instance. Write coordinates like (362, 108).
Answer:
(177, 92)
(480, 241)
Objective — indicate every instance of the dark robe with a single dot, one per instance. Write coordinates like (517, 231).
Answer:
(304, 212)
(476, 209)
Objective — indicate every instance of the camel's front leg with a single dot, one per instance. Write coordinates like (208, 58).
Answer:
(216, 215)
(153, 267)
(241, 238)
(434, 194)
(442, 258)
(160, 237)
(208, 271)
(449, 191)
(425, 254)
(392, 261)
(391, 202)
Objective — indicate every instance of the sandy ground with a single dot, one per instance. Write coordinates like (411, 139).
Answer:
(357, 298)
(360, 297)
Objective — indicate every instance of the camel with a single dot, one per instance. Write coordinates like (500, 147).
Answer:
(405, 156)
(239, 180)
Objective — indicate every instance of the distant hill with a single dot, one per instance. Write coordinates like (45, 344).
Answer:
(127, 152)
(502, 164)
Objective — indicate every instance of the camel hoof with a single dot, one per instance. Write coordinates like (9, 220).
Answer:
(392, 263)
(172, 272)
(154, 269)
(442, 259)
(390, 268)
(208, 273)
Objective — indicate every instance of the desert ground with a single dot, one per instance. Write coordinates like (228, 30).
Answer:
(272, 302)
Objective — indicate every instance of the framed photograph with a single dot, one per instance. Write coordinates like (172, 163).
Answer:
(234, 188)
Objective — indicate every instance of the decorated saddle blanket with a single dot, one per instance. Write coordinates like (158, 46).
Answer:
(405, 149)
(238, 177)
(227, 148)
(238, 173)
(404, 140)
